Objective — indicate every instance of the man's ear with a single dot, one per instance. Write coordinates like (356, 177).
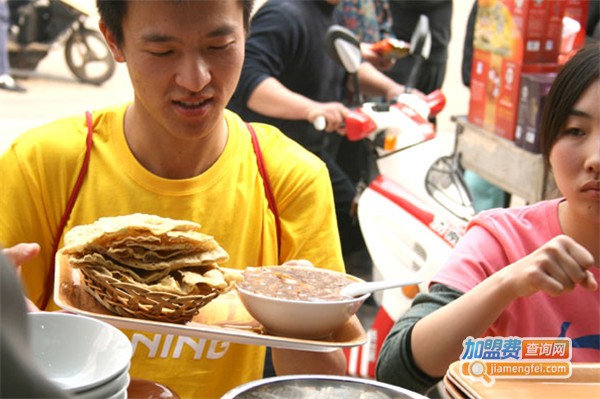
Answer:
(112, 43)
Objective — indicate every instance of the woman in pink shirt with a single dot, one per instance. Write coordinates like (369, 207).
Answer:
(530, 271)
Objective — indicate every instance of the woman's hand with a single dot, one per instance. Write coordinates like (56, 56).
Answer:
(556, 268)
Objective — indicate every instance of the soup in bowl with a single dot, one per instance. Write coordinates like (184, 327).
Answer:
(298, 301)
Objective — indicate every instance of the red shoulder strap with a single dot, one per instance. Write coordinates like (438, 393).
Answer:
(68, 209)
(265, 177)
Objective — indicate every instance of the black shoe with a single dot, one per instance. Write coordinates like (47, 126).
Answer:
(12, 86)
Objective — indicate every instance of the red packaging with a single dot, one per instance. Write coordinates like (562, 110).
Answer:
(479, 87)
(495, 88)
(507, 105)
(554, 27)
(513, 37)
(517, 29)
(574, 23)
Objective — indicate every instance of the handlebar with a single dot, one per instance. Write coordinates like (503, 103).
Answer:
(404, 122)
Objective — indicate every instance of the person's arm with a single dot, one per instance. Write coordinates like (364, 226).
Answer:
(395, 364)
(302, 192)
(288, 362)
(378, 60)
(555, 268)
(271, 98)
(375, 83)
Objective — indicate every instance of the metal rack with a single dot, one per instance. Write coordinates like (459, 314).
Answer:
(502, 163)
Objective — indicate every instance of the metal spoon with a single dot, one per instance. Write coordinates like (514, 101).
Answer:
(358, 289)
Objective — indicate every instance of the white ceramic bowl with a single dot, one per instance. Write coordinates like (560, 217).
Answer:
(107, 389)
(76, 352)
(308, 319)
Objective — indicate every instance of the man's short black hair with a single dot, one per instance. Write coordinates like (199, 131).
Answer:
(112, 13)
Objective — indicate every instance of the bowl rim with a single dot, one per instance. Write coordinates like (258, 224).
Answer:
(319, 302)
(235, 392)
(58, 314)
(92, 320)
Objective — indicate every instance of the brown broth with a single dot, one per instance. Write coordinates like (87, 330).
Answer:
(295, 283)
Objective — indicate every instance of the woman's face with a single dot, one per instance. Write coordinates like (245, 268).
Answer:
(575, 156)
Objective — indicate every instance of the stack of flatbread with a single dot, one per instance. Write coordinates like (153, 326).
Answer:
(151, 254)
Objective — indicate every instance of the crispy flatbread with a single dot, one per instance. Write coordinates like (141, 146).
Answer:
(137, 227)
(155, 253)
(151, 260)
(185, 282)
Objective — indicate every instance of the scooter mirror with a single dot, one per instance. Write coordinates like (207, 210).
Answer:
(344, 46)
(420, 41)
(420, 47)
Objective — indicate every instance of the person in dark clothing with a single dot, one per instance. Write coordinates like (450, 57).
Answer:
(405, 16)
(467, 59)
(288, 80)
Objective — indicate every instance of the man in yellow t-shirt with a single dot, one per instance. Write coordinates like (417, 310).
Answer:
(176, 152)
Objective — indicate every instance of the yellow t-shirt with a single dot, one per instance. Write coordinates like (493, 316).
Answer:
(40, 169)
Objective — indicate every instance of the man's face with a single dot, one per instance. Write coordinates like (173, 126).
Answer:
(184, 60)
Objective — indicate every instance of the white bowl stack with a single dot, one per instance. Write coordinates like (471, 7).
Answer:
(85, 357)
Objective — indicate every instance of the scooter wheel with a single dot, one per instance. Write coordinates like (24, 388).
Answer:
(88, 56)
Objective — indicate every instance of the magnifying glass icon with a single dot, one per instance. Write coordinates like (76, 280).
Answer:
(478, 369)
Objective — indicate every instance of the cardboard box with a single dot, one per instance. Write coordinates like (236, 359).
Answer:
(495, 89)
(534, 89)
(574, 14)
(554, 28)
(513, 37)
(480, 79)
(518, 29)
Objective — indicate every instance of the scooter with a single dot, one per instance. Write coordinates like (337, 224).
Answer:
(37, 26)
(416, 209)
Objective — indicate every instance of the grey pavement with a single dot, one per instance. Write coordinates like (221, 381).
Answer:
(54, 92)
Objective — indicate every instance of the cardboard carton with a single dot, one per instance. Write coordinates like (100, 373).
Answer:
(534, 89)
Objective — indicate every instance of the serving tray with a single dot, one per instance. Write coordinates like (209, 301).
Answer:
(225, 318)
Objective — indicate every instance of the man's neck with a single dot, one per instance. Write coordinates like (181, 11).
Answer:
(169, 157)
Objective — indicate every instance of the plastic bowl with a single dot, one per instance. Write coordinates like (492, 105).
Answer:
(77, 352)
(299, 318)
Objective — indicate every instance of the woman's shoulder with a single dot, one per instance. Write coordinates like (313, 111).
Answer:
(524, 214)
(531, 225)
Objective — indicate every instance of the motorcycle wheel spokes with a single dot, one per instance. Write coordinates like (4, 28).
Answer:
(88, 56)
